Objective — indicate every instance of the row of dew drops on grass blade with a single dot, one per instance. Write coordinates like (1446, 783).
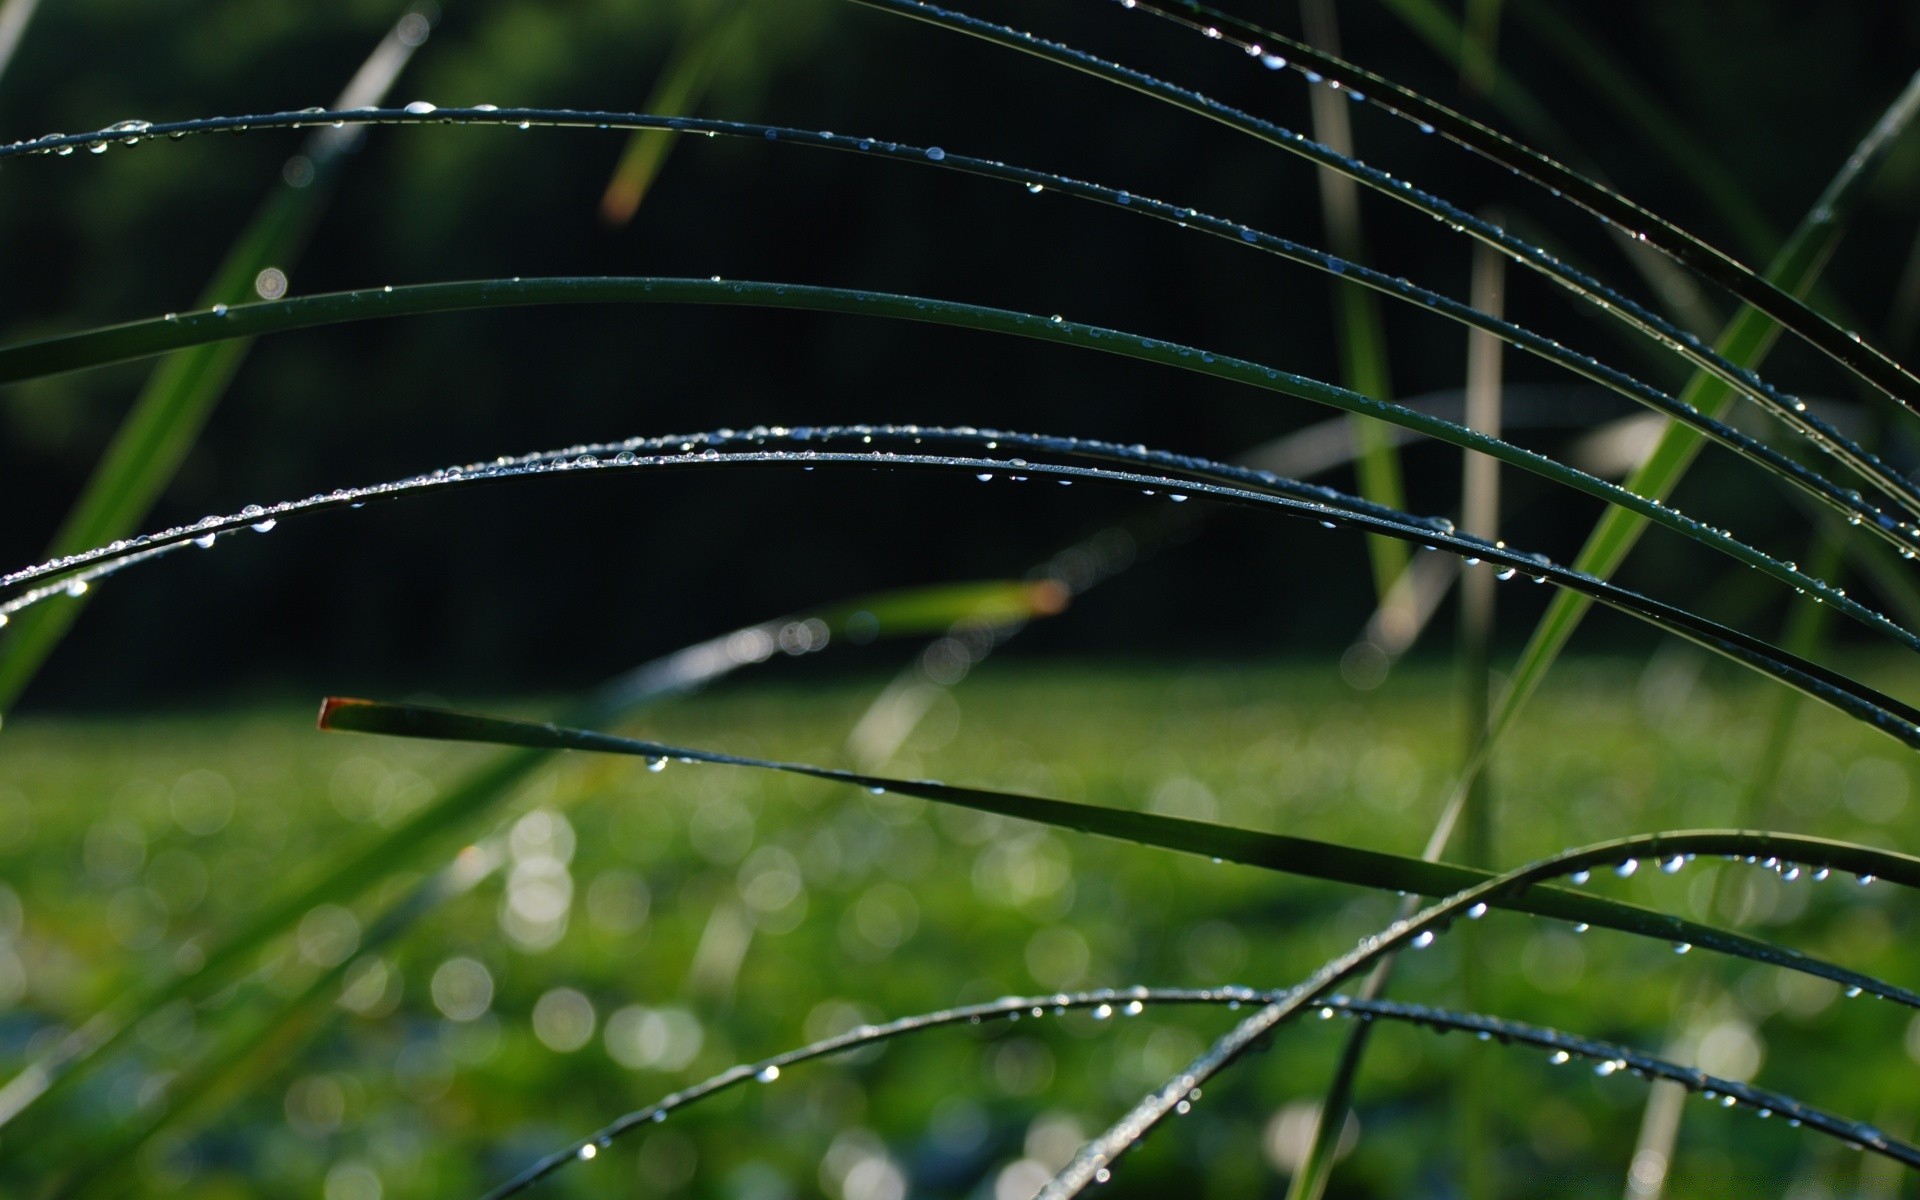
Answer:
(128, 131)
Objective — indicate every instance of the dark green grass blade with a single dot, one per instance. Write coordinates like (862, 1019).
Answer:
(908, 612)
(1092, 1164)
(1179, 475)
(95, 347)
(184, 388)
(677, 91)
(155, 335)
(1277, 852)
(1747, 340)
(1562, 1047)
(1867, 363)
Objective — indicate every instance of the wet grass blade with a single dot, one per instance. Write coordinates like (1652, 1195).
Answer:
(155, 335)
(1092, 1165)
(96, 347)
(907, 612)
(1278, 852)
(1866, 363)
(1748, 339)
(1103, 1004)
(184, 388)
(1181, 477)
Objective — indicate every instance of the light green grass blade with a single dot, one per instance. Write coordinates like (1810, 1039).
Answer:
(906, 612)
(183, 390)
(1747, 339)
(1278, 852)
(678, 90)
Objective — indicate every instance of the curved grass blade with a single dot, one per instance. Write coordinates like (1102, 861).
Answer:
(150, 336)
(1747, 339)
(1092, 1165)
(1865, 362)
(1102, 1004)
(97, 347)
(908, 612)
(1279, 852)
(184, 388)
(14, 17)
(1190, 477)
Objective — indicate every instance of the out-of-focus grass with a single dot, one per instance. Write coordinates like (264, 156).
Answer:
(712, 915)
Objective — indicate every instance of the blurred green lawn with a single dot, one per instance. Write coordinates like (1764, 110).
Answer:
(643, 930)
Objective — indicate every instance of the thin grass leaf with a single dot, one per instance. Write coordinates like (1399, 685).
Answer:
(1364, 363)
(1278, 852)
(98, 347)
(677, 91)
(181, 393)
(139, 337)
(14, 17)
(907, 612)
(1092, 1165)
(1103, 1004)
(1194, 477)
(1866, 363)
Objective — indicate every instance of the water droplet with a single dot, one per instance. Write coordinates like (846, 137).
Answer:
(1853, 992)
(1580, 876)
(1606, 1068)
(1581, 927)
(656, 763)
(588, 1151)
(1864, 879)
(77, 588)
(1505, 573)
(767, 1074)
(1476, 912)
(205, 543)
(1103, 1012)
(1176, 497)
(1673, 863)
(265, 526)
(219, 310)
(1183, 1108)
(1036, 188)
(1626, 869)
(1560, 1058)
(1102, 1175)
(1681, 948)
(935, 153)
(421, 108)
(1134, 1008)
(878, 791)
(1423, 939)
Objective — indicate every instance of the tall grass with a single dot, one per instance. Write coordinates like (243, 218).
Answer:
(1849, 477)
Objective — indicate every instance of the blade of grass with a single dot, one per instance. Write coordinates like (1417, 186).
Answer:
(677, 91)
(1562, 1047)
(1195, 477)
(908, 612)
(97, 347)
(268, 316)
(1278, 852)
(14, 17)
(1363, 342)
(184, 388)
(1092, 1164)
(1868, 364)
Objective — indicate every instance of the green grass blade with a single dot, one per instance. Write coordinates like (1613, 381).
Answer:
(1364, 364)
(906, 612)
(183, 390)
(1091, 1164)
(154, 336)
(1866, 363)
(78, 350)
(1189, 477)
(677, 91)
(1277, 852)
(1747, 340)
(1561, 1046)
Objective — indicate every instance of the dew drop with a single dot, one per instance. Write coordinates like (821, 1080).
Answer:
(1423, 939)
(588, 1151)
(219, 310)
(421, 108)
(1626, 869)
(1103, 1012)
(1580, 876)
(1036, 188)
(77, 588)
(878, 791)
(1560, 1058)
(1134, 1008)
(656, 763)
(1673, 863)
(1476, 912)
(985, 476)
(1853, 992)
(1681, 948)
(205, 543)
(767, 1074)
(265, 526)
(935, 153)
